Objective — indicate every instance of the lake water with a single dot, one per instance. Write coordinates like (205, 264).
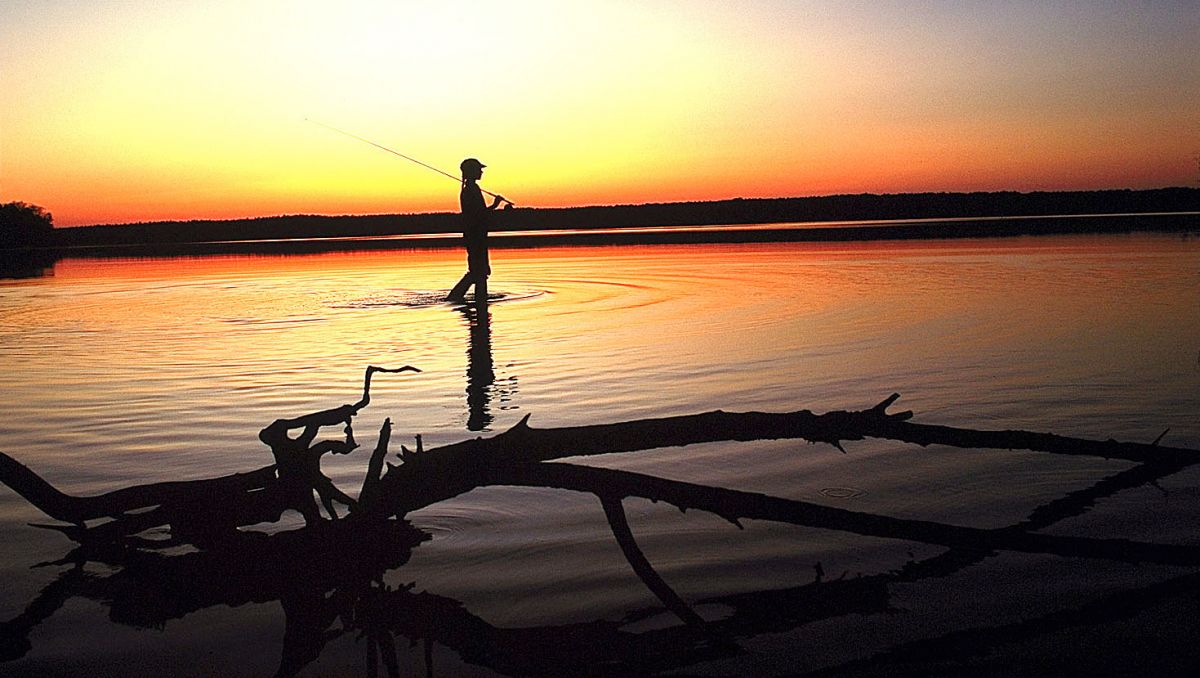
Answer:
(122, 371)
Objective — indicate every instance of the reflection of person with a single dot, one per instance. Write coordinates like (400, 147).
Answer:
(475, 232)
(481, 373)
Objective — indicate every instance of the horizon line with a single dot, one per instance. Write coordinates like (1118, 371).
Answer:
(624, 205)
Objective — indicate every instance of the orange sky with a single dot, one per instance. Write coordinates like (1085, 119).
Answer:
(146, 110)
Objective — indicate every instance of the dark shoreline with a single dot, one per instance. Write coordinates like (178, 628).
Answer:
(839, 218)
(1185, 223)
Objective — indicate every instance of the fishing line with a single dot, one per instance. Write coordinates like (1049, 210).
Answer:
(406, 157)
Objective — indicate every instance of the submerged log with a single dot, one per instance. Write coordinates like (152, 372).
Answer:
(453, 467)
(734, 505)
(204, 512)
(443, 472)
(77, 510)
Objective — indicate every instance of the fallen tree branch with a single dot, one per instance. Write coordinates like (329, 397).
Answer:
(641, 566)
(733, 505)
(446, 471)
(77, 510)
(926, 434)
(298, 459)
(429, 476)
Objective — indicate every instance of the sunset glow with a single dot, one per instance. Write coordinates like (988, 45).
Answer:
(140, 110)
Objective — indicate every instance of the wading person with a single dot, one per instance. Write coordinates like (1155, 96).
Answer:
(475, 232)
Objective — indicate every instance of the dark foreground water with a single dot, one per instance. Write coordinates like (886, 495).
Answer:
(125, 371)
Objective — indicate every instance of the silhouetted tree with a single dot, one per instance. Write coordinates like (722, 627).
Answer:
(24, 225)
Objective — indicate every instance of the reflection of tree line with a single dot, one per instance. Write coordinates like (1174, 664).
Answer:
(329, 576)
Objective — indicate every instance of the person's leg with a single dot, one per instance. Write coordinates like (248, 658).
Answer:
(459, 293)
(481, 287)
(477, 263)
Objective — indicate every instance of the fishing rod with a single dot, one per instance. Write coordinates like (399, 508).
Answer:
(408, 158)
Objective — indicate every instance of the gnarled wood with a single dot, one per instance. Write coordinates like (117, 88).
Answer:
(518, 456)
(734, 505)
(444, 472)
(298, 459)
(77, 510)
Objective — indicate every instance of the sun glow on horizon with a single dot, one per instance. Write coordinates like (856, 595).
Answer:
(145, 111)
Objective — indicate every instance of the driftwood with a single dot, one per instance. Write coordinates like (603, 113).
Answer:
(373, 538)
(518, 457)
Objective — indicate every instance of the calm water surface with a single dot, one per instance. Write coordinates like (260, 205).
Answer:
(124, 371)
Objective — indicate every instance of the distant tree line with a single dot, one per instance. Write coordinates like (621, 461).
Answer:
(861, 207)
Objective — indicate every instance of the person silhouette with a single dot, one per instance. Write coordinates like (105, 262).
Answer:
(475, 232)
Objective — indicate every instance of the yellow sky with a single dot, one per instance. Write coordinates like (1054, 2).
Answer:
(146, 110)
